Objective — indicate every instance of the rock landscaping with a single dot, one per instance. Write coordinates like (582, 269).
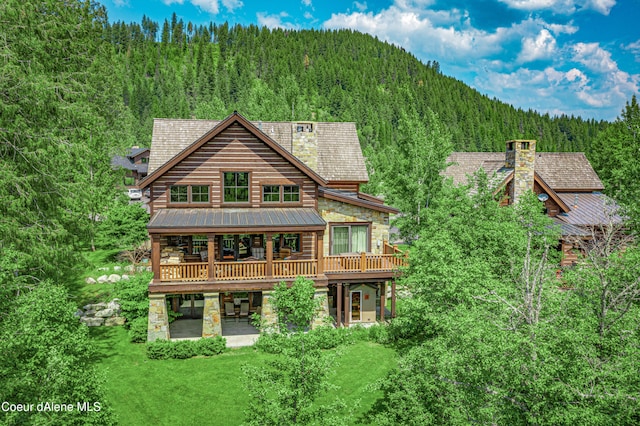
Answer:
(99, 314)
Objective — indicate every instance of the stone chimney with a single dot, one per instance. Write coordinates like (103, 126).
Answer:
(304, 144)
(521, 157)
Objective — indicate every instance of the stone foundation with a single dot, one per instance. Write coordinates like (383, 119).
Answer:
(211, 326)
(322, 315)
(158, 327)
(267, 314)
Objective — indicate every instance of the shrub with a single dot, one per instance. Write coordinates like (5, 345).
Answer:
(213, 346)
(133, 295)
(183, 349)
(138, 330)
(271, 343)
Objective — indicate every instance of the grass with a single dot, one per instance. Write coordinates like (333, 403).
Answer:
(210, 390)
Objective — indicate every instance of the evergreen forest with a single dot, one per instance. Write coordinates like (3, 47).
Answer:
(175, 69)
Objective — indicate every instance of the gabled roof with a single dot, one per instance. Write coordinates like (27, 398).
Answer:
(171, 161)
(562, 171)
(337, 144)
(356, 199)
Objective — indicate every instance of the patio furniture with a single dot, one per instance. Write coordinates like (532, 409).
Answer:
(229, 310)
(244, 310)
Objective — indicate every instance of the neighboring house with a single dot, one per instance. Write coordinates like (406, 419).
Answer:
(135, 163)
(238, 206)
(564, 181)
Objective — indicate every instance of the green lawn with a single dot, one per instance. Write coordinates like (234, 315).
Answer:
(210, 390)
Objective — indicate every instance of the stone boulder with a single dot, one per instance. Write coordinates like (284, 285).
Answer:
(105, 313)
(114, 278)
(110, 322)
(117, 268)
(125, 277)
(90, 280)
(92, 322)
(103, 279)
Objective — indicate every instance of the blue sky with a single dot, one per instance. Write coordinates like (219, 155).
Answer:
(579, 57)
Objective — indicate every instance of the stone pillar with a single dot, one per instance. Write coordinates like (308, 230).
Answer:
(323, 310)
(158, 327)
(211, 315)
(267, 314)
(347, 305)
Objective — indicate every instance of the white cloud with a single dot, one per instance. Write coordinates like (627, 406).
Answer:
(562, 6)
(308, 16)
(542, 47)
(121, 3)
(274, 21)
(594, 57)
(170, 2)
(634, 48)
(231, 5)
(210, 6)
(306, 2)
(360, 6)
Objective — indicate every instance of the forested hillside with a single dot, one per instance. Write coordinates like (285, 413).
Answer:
(209, 71)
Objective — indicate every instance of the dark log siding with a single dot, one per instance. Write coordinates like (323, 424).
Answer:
(235, 149)
(553, 209)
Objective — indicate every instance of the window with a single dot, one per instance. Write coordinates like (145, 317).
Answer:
(200, 194)
(271, 193)
(178, 194)
(291, 193)
(349, 238)
(524, 145)
(291, 241)
(236, 187)
(144, 160)
(510, 146)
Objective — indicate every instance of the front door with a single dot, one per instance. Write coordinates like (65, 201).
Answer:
(356, 309)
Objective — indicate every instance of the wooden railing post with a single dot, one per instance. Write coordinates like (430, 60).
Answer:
(339, 305)
(269, 255)
(320, 252)
(211, 272)
(363, 262)
(155, 257)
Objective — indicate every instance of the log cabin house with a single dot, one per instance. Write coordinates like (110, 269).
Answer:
(135, 164)
(238, 206)
(564, 181)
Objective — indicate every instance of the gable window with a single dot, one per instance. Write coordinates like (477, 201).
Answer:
(349, 238)
(290, 193)
(200, 194)
(271, 193)
(178, 194)
(236, 187)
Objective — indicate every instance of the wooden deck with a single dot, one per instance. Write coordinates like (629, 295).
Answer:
(361, 263)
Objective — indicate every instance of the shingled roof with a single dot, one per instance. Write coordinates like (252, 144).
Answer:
(562, 171)
(336, 142)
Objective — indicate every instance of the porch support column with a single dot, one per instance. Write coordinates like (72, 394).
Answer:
(393, 299)
(211, 315)
(269, 255)
(267, 314)
(346, 305)
(320, 251)
(158, 325)
(339, 305)
(383, 299)
(322, 314)
(211, 275)
(155, 257)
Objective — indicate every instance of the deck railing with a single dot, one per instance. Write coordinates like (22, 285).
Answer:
(184, 272)
(256, 270)
(240, 270)
(295, 268)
